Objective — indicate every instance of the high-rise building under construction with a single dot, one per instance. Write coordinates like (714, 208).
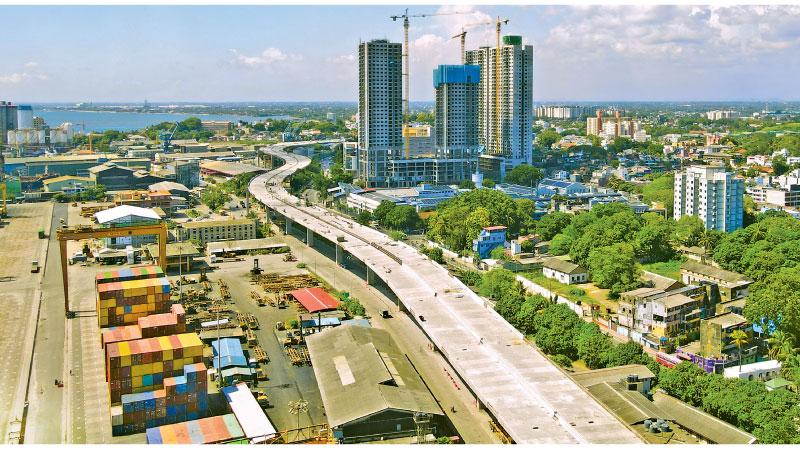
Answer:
(505, 112)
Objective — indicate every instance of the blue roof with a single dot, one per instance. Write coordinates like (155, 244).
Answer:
(231, 354)
(326, 322)
(445, 74)
(556, 183)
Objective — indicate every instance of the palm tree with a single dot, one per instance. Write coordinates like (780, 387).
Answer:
(786, 351)
(777, 342)
(739, 339)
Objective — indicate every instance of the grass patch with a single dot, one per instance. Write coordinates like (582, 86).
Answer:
(669, 269)
(571, 292)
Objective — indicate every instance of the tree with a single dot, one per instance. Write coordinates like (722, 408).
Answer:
(495, 282)
(214, 197)
(777, 343)
(524, 175)
(688, 230)
(562, 360)
(685, 382)
(403, 217)
(499, 253)
(434, 253)
(552, 224)
(739, 338)
(626, 353)
(547, 137)
(364, 217)
(466, 184)
(489, 183)
(560, 244)
(592, 345)
(652, 241)
(779, 165)
(383, 210)
(553, 327)
(614, 267)
(525, 318)
(776, 299)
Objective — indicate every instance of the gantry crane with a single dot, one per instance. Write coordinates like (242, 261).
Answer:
(463, 36)
(406, 71)
(498, 26)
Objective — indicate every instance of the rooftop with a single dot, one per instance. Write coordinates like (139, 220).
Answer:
(174, 249)
(216, 223)
(231, 353)
(361, 372)
(119, 212)
(315, 299)
(676, 300)
(560, 265)
(248, 412)
(230, 168)
(711, 428)
(727, 320)
(66, 178)
(714, 272)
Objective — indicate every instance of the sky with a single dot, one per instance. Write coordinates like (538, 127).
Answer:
(308, 53)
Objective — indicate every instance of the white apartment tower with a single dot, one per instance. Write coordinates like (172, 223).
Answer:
(711, 194)
(507, 139)
(380, 109)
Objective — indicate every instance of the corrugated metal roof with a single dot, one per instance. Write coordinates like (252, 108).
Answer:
(315, 299)
(210, 430)
(118, 212)
(380, 376)
(228, 352)
(248, 412)
(701, 423)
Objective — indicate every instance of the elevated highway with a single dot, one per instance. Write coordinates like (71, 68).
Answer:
(530, 398)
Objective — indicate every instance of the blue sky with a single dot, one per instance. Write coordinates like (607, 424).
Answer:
(285, 53)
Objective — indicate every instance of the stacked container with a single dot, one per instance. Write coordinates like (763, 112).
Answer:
(129, 273)
(124, 302)
(211, 430)
(183, 398)
(142, 365)
(173, 322)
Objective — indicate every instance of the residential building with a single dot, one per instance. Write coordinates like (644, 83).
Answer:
(24, 117)
(758, 371)
(217, 126)
(561, 112)
(784, 197)
(126, 215)
(713, 195)
(488, 239)
(421, 141)
(564, 272)
(717, 115)
(187, 172)
(68, 184)
(723, 285)
(380, 109)
(8, 120)
(715, 340)
(505, 118)
(456, 110)
(370, 390)
(38, 123)
(759, 160)
(116, 178)
(411, 172)
(218, 230)
(654, 312)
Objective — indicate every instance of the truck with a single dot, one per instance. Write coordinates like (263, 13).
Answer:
(41, 233)
(35, 266)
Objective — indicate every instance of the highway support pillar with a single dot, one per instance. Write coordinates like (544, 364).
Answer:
(288, 223)
(339, 252)
(309, 237)
(370, 276)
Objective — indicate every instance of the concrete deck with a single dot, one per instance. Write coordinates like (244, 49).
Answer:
(531, 398)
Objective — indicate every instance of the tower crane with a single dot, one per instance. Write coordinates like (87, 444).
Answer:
(463, 36)
(406, 71)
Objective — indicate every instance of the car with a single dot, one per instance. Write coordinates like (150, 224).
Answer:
(385, 314)
(422, 318)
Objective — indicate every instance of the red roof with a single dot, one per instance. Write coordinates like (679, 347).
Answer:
(315, 299)
(495, 228)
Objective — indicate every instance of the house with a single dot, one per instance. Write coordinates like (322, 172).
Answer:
(655, 313)
(758, 371)
(126, 215)
(488, 239)
(68, 184)
(564, 272)
(369, 388)
(178, 253)
(722, 284)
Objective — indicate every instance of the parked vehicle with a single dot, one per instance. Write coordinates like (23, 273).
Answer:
(35, 266)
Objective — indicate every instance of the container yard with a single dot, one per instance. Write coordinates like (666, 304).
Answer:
(142, 365)
(124, 302)
(211, 430)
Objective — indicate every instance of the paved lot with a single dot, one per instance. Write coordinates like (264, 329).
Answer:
(19, 306)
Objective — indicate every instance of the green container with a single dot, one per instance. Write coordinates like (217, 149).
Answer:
(512, 40)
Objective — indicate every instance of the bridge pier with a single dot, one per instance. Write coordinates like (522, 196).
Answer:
(288, 223)
(370, 276)
(339, 255)
(309, 237)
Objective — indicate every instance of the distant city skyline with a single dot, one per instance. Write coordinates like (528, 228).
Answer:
(261, 53)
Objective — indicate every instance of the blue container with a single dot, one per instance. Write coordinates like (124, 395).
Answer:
(171, 411)
(147, 380)
(158, 378)
(180, 388)
(128, 309)
(154, 436)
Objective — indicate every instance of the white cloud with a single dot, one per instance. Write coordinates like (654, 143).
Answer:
(270, 55)
(30, 65)
(28, 73)
(341, 59)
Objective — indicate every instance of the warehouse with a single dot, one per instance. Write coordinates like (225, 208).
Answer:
(369, 388)
(315, 299)
(127, 215)
(255, 424)
(241, 247)
(218, 230)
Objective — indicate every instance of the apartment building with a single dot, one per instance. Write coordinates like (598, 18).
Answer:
(561, 112)
(456, 113)
(711, 194)
(505, 106)
(218, 230)
(380, 109)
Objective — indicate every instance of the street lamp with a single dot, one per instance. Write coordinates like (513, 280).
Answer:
(298, 407)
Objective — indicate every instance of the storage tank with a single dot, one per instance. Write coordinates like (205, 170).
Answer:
(24, 116)
(41, 137)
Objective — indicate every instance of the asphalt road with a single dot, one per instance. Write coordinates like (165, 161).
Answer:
(44, 420)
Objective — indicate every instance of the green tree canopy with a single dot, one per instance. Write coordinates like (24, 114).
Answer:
(614, 267)
(524, 175)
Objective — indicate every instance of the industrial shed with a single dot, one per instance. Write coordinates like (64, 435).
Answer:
(369, 388)
(315, 299)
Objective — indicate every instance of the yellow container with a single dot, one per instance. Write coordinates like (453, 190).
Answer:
(125, 361)
(166, 355)
(177, 364)
(151, 307)
(136, 371)
(136, 382)
(158, 367)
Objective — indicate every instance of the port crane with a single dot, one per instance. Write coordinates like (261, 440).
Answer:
(166, 138)
(406, 71)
